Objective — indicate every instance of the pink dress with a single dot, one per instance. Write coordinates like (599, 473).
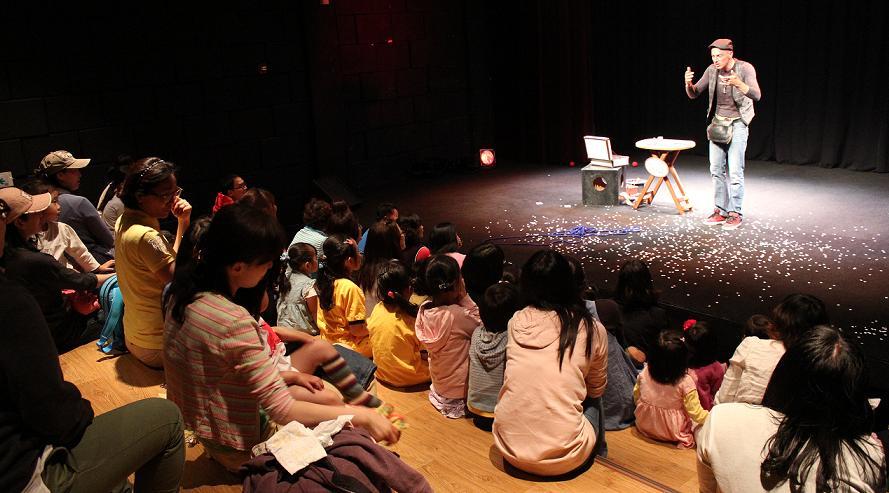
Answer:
(660, 410)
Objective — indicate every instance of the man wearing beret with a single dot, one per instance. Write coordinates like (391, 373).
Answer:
(732, 88)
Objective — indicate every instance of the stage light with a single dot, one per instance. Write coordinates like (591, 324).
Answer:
(487, 158)
(262, 69)
(571, 164)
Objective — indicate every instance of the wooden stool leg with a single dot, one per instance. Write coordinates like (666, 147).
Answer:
(642, 193)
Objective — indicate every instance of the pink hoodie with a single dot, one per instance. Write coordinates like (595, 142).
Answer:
(446, 332)
(539, 425)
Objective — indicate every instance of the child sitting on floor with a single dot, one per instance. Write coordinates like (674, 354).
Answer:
(342, 314)
(667, 403)
(445, 325)
(487, 351)
(397, 351)
(297, 300)
(705, 370)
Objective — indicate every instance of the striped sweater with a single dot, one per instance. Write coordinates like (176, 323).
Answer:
(219, 373)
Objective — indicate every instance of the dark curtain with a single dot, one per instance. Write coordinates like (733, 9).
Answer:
(568, 68)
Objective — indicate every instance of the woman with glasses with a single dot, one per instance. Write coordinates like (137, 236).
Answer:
(145, 259)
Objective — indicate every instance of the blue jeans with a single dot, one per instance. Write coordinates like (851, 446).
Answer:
(594, 413)
(727, 170)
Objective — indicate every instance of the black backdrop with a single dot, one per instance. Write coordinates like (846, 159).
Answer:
(563, 69)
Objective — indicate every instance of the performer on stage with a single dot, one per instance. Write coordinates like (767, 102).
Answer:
(732, 87)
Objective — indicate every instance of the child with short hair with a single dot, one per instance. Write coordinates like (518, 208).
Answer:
(445, 325)
(667, 403)
(487, 351)
(297, 299)
(706, 371)
(397, 351)
(758, 325)
(341, 315)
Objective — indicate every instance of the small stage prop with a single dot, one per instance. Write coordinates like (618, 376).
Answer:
(602, 179)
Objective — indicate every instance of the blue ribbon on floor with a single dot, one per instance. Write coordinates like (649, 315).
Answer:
(577, 232)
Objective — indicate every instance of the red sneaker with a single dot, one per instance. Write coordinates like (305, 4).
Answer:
(733, 221)
(715, 219)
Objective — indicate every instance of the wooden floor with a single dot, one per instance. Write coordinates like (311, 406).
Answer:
(452, 454)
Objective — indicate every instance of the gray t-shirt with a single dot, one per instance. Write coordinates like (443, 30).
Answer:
(113, 209)
(292, 308)
(725, 104)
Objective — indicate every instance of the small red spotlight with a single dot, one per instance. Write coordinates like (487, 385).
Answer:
(487, 158)
(571, 163)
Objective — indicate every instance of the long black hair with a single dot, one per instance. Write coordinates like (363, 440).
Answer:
(635, 288)
(443, 238)
(393, 279)
(337, 251)
(703, 344)
(442, 274)
(819, 386)
(547, 283)
(237, 233)
(383, 244)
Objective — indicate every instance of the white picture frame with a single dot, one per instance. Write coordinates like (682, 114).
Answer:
(597, 148)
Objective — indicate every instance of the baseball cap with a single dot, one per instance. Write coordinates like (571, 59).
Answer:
(722, 44)
(57, 161)
(18, 202)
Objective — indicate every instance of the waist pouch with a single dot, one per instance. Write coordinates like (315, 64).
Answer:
(720, 130)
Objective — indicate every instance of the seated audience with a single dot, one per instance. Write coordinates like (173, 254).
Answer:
(750, 368)
(110, 206)
(261, 199)
(316, 215)
(487, 351)
(42, 275)
(667, 404)
(758, 325)
(482, 268)
(50, 439)
(548, 419)
(384, 243)
(218, 370)
(398, 353)
(811, 433)
(342, 316)
(63, 171)
(343, 221)
(230, 191)
(444, 325)
(145, 259)
(443, 239)
(297, 299)
(643, 320)
(60, 241)
(414, 249)
(705, 370)
(386, 210)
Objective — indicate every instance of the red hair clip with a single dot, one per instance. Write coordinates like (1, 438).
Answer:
(689, 324)
(390, 294)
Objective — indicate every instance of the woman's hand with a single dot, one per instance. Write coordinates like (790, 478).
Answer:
(310, 382)
(182, 210)
(378, 426)
(106, 268)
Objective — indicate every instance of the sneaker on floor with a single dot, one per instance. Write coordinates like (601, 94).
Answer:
(715, 219)
(733, 221)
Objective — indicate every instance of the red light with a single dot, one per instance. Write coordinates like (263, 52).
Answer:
(487, 158)
(635, 164)
(389, 41)
(571, 163)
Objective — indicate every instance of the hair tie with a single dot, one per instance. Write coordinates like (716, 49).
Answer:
(390, 294)
(689, 324)
(444, 286)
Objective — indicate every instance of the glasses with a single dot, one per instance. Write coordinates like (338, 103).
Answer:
(166, 197)
(242, 186)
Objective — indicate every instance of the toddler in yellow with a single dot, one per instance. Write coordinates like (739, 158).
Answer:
(341, 313)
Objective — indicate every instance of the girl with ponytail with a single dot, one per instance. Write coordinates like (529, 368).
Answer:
(400, 358)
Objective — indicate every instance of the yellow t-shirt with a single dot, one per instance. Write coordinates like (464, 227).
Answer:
(139, 252)
(348, 306)
(396, 348)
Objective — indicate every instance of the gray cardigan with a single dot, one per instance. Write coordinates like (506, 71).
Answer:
(746, 73)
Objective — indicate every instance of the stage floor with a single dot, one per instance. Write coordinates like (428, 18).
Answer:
(806, 229)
